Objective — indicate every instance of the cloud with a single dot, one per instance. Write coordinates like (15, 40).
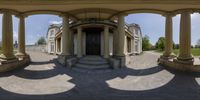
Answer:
(55, 22)
(195, 15)
(15, 35)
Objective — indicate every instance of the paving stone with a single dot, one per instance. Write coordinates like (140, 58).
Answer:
(143, 79)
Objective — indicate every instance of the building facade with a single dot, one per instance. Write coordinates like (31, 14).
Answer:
(51, 34)
(93, 40)
(133, 39)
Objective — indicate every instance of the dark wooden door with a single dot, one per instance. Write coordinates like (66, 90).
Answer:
(93, 43)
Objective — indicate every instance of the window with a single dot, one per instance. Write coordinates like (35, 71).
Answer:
(51, 32)
(52, 47)
(136, 46)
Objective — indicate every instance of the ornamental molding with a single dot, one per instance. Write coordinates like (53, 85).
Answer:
(64, 2)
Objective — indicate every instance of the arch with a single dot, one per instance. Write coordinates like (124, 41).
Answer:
(51, 12)
(192, 10)
(93, 10)
(134, 11)
(102, 10)
(93, 23)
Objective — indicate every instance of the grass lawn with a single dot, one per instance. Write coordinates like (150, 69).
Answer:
(195, 51)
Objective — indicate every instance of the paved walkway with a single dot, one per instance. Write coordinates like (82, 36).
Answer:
(141, 80)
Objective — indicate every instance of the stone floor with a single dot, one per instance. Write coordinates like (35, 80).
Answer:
(141, 80)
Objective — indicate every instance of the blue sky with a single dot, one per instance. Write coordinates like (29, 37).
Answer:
(152, 25)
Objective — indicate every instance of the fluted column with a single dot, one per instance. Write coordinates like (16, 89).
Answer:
(185, 37)
(106, 42)
(21, 37)
(79, 42)
(121, 36)
(168, 37)
(7, 37)
(66, 37)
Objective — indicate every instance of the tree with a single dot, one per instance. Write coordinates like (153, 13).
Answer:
(176, 46)
(145, 43)
(41, 41)
(198, 44)
(160, 44)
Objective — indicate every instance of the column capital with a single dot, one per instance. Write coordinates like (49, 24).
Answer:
(122, 14)
(21, 15)
(6, 11)
(64, 15)
(169, 14)
(183, 11)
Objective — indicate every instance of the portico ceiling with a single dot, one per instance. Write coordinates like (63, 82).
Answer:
(112, 6)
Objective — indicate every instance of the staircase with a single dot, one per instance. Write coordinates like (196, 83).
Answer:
(92, 62)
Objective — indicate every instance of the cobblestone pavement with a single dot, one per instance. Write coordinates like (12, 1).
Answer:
(45, 79)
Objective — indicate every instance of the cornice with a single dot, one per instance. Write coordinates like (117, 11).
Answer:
(64, 2)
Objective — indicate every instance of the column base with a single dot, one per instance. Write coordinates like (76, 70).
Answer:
(4, 57)
(67, 60)
(8, 65)
(106, 57)
(179, 66)
(3, 61)
(189, 61)
(122, 60)
(21, 55)
(168, 57)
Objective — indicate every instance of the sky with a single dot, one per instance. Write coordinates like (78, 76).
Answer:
(152, 25)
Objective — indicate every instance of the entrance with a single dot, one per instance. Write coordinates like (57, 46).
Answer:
(93, 41)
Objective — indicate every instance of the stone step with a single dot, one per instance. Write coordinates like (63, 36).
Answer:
(92, 62)
(93, 58)
(87, 66)
(98, 62)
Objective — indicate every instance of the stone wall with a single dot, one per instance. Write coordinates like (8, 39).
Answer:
(36, 48)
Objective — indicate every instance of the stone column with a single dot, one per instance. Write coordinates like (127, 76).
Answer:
(66, 37)
(185, 55)
(79, 42)
(106, 42)
(115, 43)
(21, 37)
(168, 53)
(7, 37)
(121, 36)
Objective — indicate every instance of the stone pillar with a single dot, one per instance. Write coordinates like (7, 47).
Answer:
(115, 43)
(79, 42)
(66, 37)
(185, 55)
(21, 37)
(7, 37)
(121, 36)
(106, 42)
(168, 53)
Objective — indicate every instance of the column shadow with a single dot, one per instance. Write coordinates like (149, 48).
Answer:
(94, 86)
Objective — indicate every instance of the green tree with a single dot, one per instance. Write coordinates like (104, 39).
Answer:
(41, 41)
(160, 44)
(145, 43)
(198, 44)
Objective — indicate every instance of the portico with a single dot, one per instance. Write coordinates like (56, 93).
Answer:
(105, 10)
(95, 37)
